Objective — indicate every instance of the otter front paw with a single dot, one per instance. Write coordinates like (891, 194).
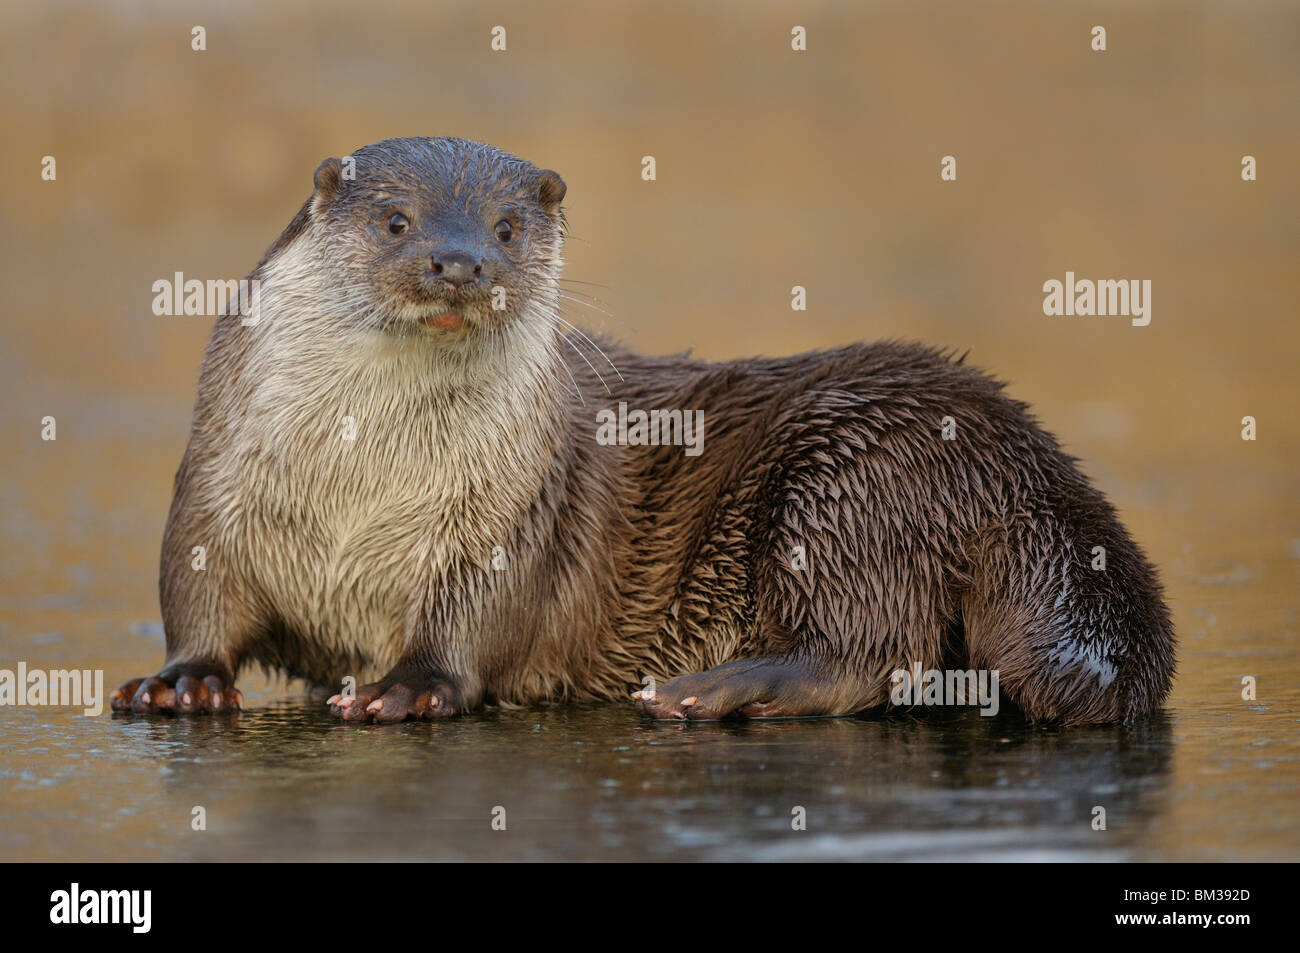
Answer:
(185, 689)
(397, 697)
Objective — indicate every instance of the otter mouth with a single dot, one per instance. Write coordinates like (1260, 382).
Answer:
(445, 316)
(444, 313)
(444, 321)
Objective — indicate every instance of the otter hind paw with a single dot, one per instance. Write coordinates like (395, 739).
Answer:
(396, 699)
(749, 688)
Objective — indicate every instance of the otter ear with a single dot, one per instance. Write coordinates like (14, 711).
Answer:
(550, 191)
(328, 181)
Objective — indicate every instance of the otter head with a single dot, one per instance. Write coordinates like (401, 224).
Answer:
(442, 237)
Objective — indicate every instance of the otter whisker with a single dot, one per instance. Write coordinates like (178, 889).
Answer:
(598, 348)
(567, 295)
(581, 297)
(577, 350)
(559, 359)
(575, 281)
(556, 357)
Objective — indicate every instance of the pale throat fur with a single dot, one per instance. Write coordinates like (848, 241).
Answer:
(361, 464)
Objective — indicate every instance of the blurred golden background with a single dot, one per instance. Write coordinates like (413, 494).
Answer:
(775, 168)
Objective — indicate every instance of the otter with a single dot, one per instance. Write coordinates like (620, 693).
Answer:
(394, 474)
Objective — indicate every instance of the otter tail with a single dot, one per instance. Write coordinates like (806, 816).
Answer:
(1064, 605)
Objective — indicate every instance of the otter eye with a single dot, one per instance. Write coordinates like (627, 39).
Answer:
(504, 231)
(398, 223)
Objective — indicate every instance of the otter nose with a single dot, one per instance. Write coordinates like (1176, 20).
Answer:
(455, 266)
